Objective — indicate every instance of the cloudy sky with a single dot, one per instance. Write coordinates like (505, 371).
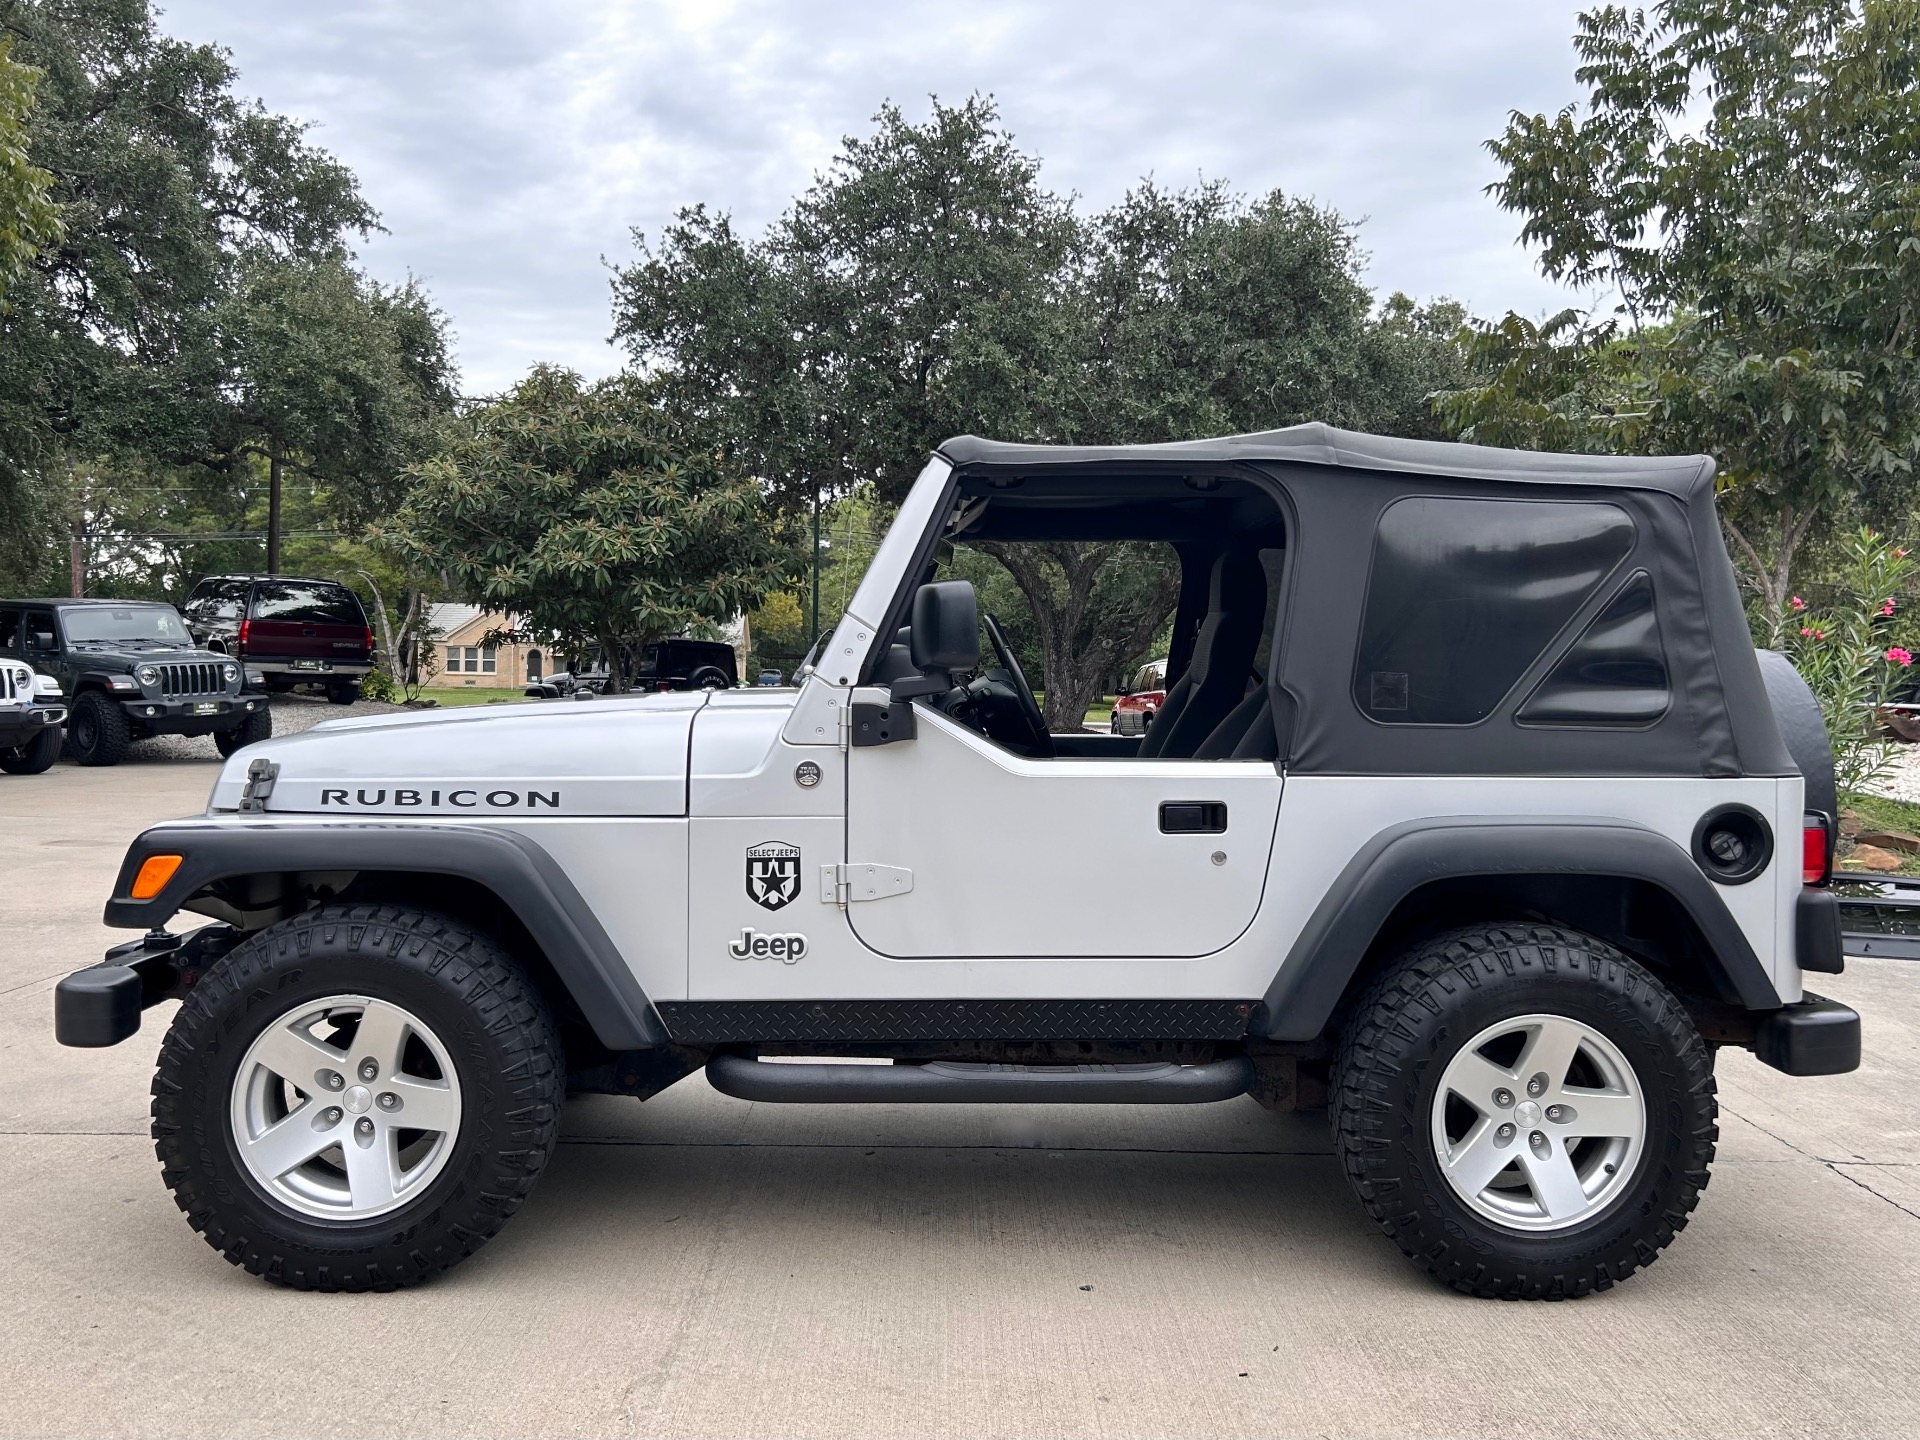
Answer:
(511, 146)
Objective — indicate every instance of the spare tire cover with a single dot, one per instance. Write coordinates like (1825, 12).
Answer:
(1803, 728)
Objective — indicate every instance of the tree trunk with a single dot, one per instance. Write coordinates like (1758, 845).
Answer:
(386, 627)
(1774, 576)
(273, 513)
(1079, 649)
(77, 559)
(616, 672)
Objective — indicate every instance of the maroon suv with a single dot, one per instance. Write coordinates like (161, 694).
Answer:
(286, 630)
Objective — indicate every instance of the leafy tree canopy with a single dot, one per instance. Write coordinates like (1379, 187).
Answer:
(29, 220)
(929, 285)
(1741, 175)
(583, 512)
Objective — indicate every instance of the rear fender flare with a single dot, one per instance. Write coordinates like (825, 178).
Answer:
(1400, 860)
(525, 878)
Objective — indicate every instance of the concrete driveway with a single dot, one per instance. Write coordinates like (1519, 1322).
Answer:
(701, 1266)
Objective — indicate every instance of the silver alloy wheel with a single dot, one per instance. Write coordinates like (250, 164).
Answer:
(1548, 1140)
(345, 1108)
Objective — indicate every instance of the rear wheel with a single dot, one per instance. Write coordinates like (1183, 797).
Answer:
(343, 692)
(97, 731)
(1526, 1111)
(357, 1098)
(34, 757)
(257, 726)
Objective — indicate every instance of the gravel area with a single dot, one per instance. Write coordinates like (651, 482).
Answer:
(1901, 780)
(291, 715)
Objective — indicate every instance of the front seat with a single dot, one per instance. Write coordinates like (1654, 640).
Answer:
(1223, 655)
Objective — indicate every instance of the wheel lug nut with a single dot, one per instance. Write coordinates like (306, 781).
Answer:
(1537, 1140)
(389, 1101)
(1537, 1086)
(332, 1079)
(1556, 1113)
(1503, 1098)
(1503, 1135)
(369, 1070)
(363, 1125)
(332, 1115)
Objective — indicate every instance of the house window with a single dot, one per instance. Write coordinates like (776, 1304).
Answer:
(471, 660)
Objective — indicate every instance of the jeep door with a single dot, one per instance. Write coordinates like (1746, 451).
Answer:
(1055, 858)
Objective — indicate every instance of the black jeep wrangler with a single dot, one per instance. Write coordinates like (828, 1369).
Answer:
(130, 671)
(667, 665)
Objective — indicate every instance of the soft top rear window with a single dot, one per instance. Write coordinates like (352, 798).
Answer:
(307, 601)
(1466, 594)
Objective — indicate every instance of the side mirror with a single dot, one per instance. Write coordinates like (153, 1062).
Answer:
(944, 637)
(946, 627)
(43, 640)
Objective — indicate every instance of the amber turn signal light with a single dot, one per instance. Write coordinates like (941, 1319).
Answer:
(155, 872)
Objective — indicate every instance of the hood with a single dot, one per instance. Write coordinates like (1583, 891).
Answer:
(540, 758)
(112, 656)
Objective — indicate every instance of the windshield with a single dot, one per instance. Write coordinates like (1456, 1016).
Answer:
(124, 625)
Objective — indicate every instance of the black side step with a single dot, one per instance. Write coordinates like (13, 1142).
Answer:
(965, 1082)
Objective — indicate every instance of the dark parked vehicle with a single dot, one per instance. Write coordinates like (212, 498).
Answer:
(291, 630)
(130, 670)
(666, 665)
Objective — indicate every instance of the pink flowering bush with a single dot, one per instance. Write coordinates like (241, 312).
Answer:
(1844, 652)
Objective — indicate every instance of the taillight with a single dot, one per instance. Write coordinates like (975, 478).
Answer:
(1814, 849)
(369, 630)
(240, 645)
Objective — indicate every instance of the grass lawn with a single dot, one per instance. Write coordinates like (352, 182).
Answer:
(475, 696)
(1877, 812)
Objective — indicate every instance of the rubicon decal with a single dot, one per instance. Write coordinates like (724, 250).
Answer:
(773, 873)
(401, 798)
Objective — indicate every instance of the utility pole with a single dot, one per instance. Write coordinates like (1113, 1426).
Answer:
(273, 513)
(814, 637)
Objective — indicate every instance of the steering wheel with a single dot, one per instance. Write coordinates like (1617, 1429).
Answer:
(1038, 738)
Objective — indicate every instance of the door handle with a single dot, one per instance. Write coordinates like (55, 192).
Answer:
(1193, 817)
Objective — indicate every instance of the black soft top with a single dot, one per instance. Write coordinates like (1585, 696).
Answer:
(1337, 484)
(1687, 477)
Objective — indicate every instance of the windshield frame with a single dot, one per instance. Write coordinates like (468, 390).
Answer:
(68, 614)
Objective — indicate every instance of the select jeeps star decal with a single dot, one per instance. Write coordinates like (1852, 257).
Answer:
(773, 873)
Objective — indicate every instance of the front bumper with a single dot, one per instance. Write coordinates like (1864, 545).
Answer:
(101, 1005)
(24, 724)
(1817, 1036)
(191, 715)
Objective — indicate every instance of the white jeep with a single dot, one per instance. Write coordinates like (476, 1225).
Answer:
(1471, 815)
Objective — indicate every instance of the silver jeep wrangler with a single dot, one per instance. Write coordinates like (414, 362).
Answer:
(1471, 815)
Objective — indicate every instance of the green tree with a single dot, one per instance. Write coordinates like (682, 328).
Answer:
(1741, 177)
(29, 220)
(200, 311)
(583, 512)
(929, 285)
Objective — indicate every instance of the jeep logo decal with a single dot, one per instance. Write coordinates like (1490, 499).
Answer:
(784, 948)
(773, 873)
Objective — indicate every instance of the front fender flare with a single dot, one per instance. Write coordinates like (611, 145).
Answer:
(1399, 860)
(523, 875)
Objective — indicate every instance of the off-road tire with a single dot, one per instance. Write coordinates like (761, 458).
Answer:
(1415, 1017)
(34, 757)
(343, 694)
(458, 980)
(97, 731)
(257, 726)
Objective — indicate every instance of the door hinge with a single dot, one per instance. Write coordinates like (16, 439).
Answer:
(843, 721)
(845, 884)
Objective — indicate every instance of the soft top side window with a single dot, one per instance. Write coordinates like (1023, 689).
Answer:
(1466, 594)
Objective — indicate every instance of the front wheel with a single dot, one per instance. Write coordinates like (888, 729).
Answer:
(97, 730)
(257, 726)
(1526, 1111)
(357, 1098)
(36, 756)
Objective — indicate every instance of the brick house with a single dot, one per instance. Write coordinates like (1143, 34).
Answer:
(467, 661)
